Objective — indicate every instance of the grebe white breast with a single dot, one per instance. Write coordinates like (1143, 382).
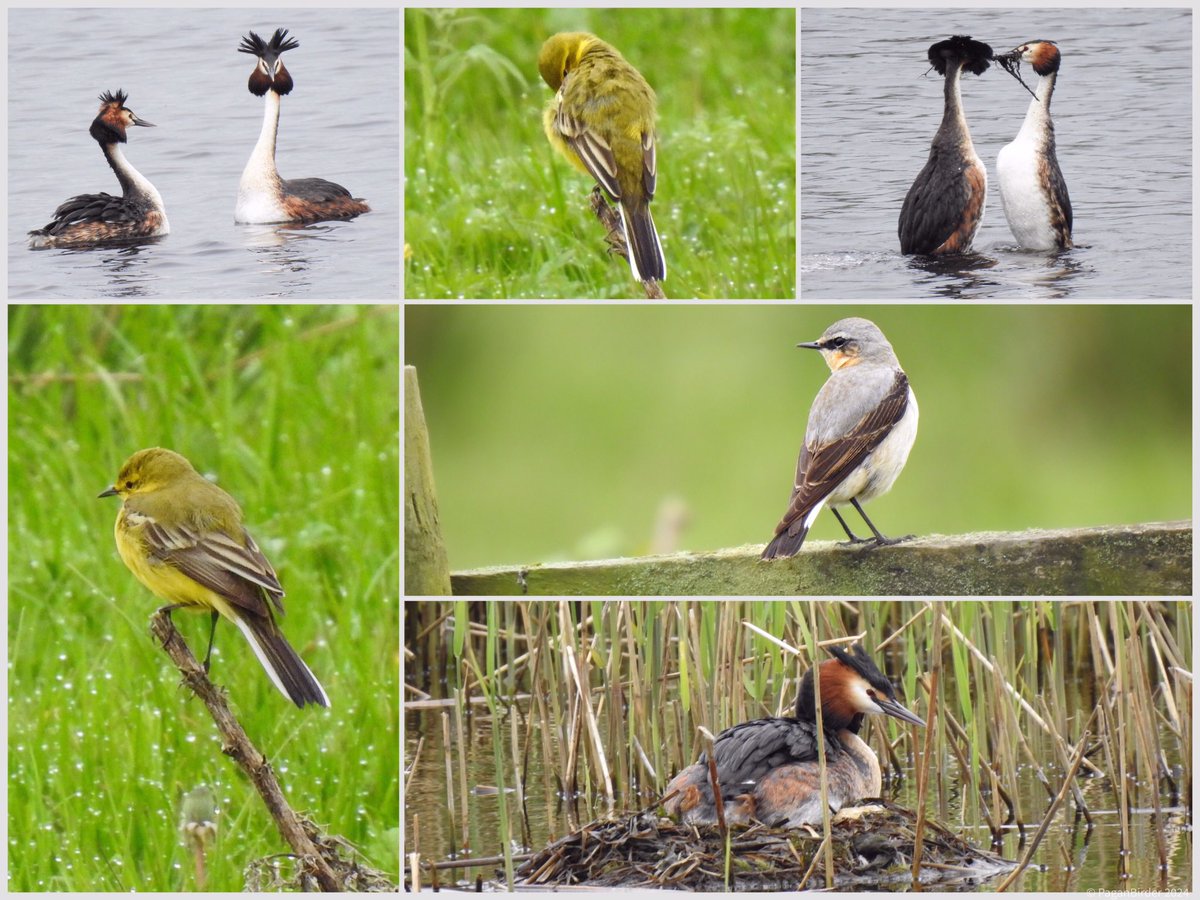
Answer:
(945, 204)
(1032, 188)
(264, 197)
(102, 218)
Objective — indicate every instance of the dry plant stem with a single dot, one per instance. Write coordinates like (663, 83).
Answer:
(611, 220)
(237, 745)
(923, 768)
(822, 771)
(412, 767)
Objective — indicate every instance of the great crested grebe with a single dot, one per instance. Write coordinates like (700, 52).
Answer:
(1032, 189)
(861, 427)
(945, 204)
(102, 218)
(767, 769)
(264, 197)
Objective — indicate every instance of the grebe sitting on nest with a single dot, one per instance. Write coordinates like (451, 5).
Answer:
(767, 769)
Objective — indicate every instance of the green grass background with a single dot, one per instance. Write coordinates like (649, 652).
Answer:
(559, 432)
(492, 212)
(295, 411)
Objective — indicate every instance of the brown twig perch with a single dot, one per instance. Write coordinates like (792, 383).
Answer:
(316, 863)
(611, 220)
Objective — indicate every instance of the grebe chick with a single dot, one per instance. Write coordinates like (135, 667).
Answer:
(945, 204)
(1032, 189)
(768, 769)
(102, 218)
(264, 197)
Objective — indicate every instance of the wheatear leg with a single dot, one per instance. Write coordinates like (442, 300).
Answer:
(854, 538)
(880, 537)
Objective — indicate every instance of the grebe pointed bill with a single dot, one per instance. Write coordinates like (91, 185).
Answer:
(945, 204)
(102, 219)
(768, 769)
(1032, 188)
(264, 197)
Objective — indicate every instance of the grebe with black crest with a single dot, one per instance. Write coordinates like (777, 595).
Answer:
(945, 204)
(98, 219)
(264, 197)
(1032, 189)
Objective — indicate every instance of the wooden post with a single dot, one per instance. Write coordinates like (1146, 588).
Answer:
(426, 566)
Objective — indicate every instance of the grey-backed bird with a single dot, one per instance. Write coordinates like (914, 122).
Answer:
(860, 429)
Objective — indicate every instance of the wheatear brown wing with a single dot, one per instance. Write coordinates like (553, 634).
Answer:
(822, 467)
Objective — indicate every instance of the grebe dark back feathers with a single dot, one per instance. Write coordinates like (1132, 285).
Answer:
(768, 769)
(102, 218)
(264, 197)
(1032, 188)
(945, 204)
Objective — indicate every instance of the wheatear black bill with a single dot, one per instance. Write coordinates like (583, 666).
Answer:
(860, 429)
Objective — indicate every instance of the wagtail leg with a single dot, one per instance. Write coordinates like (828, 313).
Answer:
(211, 634)
(854, 538)
(880, 537)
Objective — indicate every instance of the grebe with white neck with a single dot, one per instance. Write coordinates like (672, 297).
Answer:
(945, 204)
(264, 197)
(1032, 188)
(97, 219)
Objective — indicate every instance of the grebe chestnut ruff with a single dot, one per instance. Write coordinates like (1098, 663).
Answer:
(945, 204)
(264, 197)
(1032, 189)
(91, 219)
(767, 769)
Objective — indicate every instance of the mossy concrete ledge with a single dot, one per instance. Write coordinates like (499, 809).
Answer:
(1124, 560)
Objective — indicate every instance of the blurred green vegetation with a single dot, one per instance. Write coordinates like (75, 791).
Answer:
(491, 210)
(565, 432)
(295, 411)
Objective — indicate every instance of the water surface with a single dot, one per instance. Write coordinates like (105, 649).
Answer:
(1123, 122)
(182, 72)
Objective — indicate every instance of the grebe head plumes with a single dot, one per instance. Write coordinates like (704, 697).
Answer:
(270, 72)
(92, 219)
(944, 206)
(851, 686)
(1032, 187)
(264, 197)
(768, 769)
(114, 117)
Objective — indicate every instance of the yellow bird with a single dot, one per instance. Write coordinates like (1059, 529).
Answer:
(182, 536)
(601, 120)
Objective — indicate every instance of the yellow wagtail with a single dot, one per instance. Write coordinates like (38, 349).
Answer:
(182, 536)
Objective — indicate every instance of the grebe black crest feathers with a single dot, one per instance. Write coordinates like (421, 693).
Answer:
(270, 73)
(974, 55)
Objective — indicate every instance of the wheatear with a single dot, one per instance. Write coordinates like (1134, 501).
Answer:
(860, 429)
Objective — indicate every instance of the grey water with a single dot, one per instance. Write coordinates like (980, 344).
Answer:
(1122, 111)
(181, 70)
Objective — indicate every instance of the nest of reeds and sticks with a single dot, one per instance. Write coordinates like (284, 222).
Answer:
(870, 849)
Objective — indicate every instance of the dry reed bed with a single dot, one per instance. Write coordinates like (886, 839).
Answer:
(619, 695)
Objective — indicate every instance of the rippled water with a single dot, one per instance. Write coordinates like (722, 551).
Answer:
(182, 72)
(1122, 110)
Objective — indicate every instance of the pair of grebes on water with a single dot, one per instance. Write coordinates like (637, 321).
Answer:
(263, 197)
(945, 204)
(767, 770)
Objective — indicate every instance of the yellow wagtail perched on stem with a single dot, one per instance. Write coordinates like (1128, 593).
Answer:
(182, 536)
